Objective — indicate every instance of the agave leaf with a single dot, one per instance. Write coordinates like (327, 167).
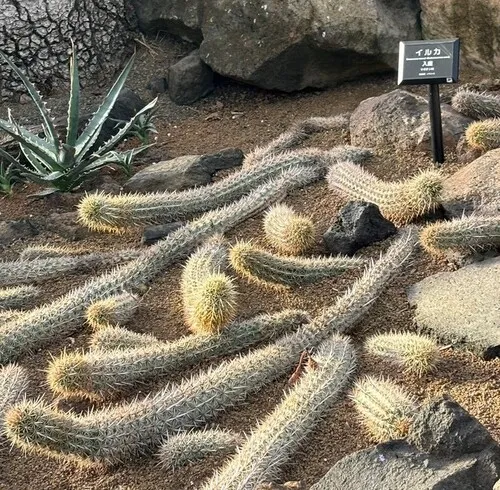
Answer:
(48, 126)
(35, 162)
(8, 157)
(44, 192)
(93, 128)
(74, 100)
(53, 176)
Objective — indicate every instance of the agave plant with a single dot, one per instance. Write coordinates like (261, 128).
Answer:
(65, 164)
(9, 172)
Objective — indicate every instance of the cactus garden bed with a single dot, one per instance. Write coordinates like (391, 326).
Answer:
(260, 117)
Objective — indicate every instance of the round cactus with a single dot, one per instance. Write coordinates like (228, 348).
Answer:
(484, 135)
(113, 311)
(476, 105)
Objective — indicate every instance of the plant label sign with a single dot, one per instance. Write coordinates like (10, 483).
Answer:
(428, 62)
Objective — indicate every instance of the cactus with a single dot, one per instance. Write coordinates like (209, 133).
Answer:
(261, 266)
(99, 374)
(110, 338)
(62, 317)
(32, 252)
(280, 434)
(400, 202)
(6, 315)
(288, 231)
(189, 447)
(38, 270)
(484, 135)
(13, 384)
(416, 353)
(384, 408)
(462, 234)
(113, 311)
(18, 296)
(121, 432)
(114, 213)
(476, 105)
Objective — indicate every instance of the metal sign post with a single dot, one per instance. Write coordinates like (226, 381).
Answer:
(432, 63)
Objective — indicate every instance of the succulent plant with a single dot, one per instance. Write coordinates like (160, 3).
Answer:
(288, 231)
(32, 252)
(18, 296)
(384, 408)
(476, 105)
(484, 135)
(415, 352)
(400, 202)
(271, 445)
(13, 384)
(113, 311)
(189, 447)
(111, 338)
(462, 234)
(9, 172)
(261, 266)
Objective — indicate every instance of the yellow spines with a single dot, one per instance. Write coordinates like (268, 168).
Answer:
(484, 135)
(113, 311)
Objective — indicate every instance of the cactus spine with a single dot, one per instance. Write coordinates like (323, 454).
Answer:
(261, 266)
(111, 338)
(113, 311)
(41, 326)
(385, 409)
(279, 435)
(113, 213)
(484, 135)
(288, 231)
(400, 202)
(13, 384)
(189, 447)
(32, 252)
(98, 374)
(117, 433)
(416, 353)
(18, 296)
(462, 234)
(476, 105)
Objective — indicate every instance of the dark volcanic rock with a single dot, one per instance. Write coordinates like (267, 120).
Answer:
(152, 234)
(10, 231)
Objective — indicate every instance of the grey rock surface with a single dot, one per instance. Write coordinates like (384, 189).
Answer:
(11, 231)
(152, 234)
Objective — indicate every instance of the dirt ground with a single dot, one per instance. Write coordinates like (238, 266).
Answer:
(239, 116)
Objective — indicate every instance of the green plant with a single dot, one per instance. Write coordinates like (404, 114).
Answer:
(476, 105)
(125, 160)
(484, 135)
(120, 432)
(41, 326)
(65, 164)
(13, 385)
(110, 338)
(385, 409)
(400, 202)
(102, 373)
(18, 296)
(113, 311)
(258, 265)
(416, 353)
(9, 172)
(109, 213)
(144, 127)
(462, 234)
(288, 231)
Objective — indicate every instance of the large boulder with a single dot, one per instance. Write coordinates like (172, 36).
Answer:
(475, 22)
(289, 44)
(401, 119)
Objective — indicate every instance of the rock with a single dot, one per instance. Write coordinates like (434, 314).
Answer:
(461, 307)
(152, 234)
(11, 231)
(106, 183)
(472, 461)
(358, 225)
(465, 153)
(289, 45)
(478, 182)
(475, 22)
(158, 85)
(66, 226)
(183, 172)
(190, 79)
(401, 120)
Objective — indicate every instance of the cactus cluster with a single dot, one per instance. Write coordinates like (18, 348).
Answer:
(484, 135)
(476, 105)
(385, 409)
(111, 338)
(400, 202)
(280, 434)
(13, 385)
(18, 296)
(32, 252)
(461, 234)
(288, 231)
(113, 311)
(261, 266)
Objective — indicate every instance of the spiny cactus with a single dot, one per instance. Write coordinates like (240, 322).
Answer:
(110, 338)
(113, 311)
(102, 374)
(400, 202)
(280, 434)
(17, 296)
(288, 231)
(476, 105)
(6, 315)
(484, 135)
(62, 317)
(121, 432)
(13, 384)
(461, 234)
(385, 409)
(416, 353)
(113, 213)
(189, 447)
(38, 270)
(32, 252)
(261, 266)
